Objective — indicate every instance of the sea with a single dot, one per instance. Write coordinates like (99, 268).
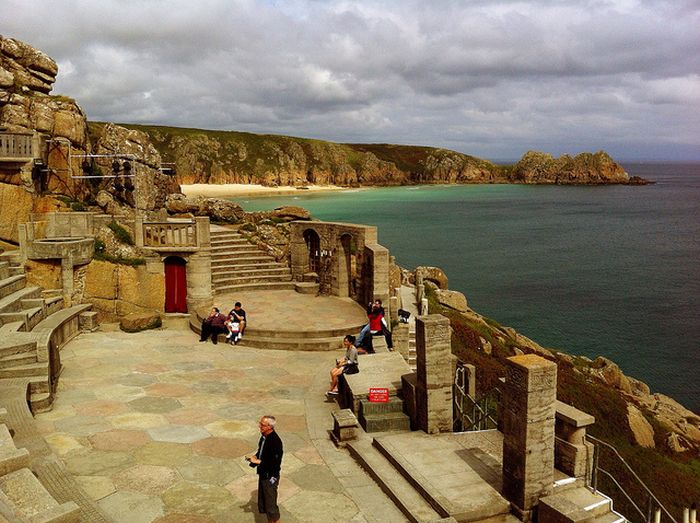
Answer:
(608, 271)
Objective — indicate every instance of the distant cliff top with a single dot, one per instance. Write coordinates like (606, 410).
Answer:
(219, 157)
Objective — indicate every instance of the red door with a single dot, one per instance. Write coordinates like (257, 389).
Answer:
(175, 285)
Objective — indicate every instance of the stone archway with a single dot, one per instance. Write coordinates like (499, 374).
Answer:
(175, 284)
(313, 247)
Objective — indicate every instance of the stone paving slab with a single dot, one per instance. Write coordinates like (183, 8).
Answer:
(154, 426)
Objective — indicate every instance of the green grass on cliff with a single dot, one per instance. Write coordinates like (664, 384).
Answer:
(673, 478)
(255, 156)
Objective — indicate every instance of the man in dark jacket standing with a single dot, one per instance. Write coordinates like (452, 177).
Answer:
(268, 460)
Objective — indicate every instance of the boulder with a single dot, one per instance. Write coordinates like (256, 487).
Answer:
(676, 443)
(218, 210)
(290, 213)
(642, 431)
(433, 274)
(610, 373)
(452, 299)
(140, 321)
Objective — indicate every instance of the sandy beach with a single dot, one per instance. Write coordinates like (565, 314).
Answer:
(242, 189)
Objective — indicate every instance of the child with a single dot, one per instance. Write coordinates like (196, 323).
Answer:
(234, 331)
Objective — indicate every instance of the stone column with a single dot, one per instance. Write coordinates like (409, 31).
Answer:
(400, 337)
(199, 291)
(435, 373)
(299, 255)
(528, 413)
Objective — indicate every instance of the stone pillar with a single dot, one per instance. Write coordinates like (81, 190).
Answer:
(528, 413)
(393, 309)
(299, 256)
(67, 278)
(138, 230)
(400, 337)
(379, 257)
(435, 373)
(199, 291)
(470, 372)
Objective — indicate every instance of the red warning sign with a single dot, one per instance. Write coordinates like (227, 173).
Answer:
(378, 395)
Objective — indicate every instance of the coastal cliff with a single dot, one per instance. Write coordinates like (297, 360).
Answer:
(220, 157)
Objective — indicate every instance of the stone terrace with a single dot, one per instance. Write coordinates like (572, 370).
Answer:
(154, 427)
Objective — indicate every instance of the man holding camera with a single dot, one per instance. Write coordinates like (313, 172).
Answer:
(268, 460)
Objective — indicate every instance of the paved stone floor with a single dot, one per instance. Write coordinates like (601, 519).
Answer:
(154, 426)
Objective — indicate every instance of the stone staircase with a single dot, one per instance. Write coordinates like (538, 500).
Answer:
(383, 417)
(574, 502)
(22, 496)
(238, 265)
(29, 324)
(415, 496)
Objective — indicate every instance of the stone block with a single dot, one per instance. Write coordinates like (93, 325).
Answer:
(345, 427)
(309, 277)
(452, 299)
(137, 322)
(87, 321)
(306, 288)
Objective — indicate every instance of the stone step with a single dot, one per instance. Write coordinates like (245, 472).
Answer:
(31, 501)
(242, 260)
(41, 402)
(387, 422)
(371, 407)
(254, 278)
(237, 254)
(11, 458)
(610, 517)
(16, 360)
(10, 347)
(4, 270)
(407, 499)
(30, 317)
(265, 271)
(11, 302)
(496, 509)
(9, 328)
(38, 370)
(12, 284)
(580, 501)
(277, 286)
(228, 240)
(234, 266)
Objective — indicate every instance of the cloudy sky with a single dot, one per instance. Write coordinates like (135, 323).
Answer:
(488, 78)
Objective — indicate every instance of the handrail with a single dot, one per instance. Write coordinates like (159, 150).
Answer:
(16, 145)
(597, 468)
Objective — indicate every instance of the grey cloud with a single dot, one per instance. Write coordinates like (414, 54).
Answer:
(487, 78)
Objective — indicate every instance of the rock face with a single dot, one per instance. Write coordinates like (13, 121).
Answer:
(585, 168)
(234, 157)
(218, 210)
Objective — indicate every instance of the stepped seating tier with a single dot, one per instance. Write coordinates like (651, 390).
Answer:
(286, 320)
(238, 265)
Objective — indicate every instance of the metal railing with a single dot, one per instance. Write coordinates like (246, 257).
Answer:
(169, 234)
(649, 508)
(473, 413)
(16, 145)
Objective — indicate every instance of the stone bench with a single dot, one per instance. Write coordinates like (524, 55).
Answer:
(58, 329)
(376, 370)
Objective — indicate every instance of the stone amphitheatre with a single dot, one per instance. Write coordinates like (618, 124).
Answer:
(112, 410)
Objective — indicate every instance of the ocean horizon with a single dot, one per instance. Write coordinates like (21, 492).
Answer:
(607, 271)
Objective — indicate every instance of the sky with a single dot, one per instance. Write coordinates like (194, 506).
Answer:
(489, 78)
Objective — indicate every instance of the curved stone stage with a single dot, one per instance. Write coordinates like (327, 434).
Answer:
(287, 320)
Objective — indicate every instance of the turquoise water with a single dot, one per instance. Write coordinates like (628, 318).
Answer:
(612, 271)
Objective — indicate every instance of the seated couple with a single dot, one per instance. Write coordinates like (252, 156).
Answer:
(376, 326)
(216, 323)
(345, 365)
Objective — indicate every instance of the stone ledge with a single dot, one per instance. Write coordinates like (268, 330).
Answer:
(573, 416)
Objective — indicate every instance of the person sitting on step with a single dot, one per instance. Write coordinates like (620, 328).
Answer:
(213, 325)
(376, 325)
(238, 314)
(345, 365)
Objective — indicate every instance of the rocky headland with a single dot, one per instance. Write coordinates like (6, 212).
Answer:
(230, 157)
